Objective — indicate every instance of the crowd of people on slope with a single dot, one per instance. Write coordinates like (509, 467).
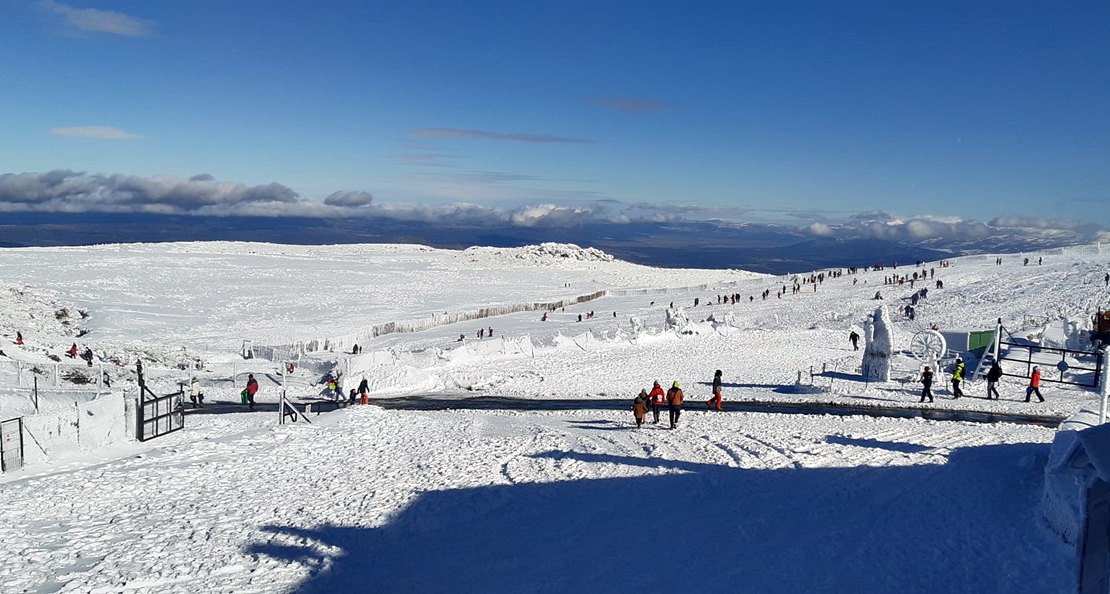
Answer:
(674, 398)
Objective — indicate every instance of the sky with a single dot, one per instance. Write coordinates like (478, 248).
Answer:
(797, 113)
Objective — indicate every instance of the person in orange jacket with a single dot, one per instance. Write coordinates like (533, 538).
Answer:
(1034, 385)
(658, 396)
(674, 403)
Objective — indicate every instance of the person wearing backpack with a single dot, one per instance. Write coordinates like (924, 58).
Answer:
(993, 375)
(674, 403)
(658, 396)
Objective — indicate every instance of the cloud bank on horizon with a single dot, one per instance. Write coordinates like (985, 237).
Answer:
(70, 192)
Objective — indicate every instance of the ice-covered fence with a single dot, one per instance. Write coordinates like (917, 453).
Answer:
(87, 426)
(19, 374)
(18, 402)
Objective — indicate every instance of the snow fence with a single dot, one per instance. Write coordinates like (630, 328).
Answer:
(86, 426)
(344, 343)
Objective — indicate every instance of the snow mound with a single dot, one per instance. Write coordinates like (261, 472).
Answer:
(546, 252)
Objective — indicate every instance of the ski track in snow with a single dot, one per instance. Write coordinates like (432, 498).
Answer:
(368, 499)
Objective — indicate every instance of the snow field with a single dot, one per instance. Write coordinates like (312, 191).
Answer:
(367, 499)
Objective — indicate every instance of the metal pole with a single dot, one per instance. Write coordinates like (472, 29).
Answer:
(36, 393)
(1104, 389)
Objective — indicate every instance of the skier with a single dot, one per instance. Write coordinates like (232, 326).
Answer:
(639, 407)
(252, 388)
(657, 397)
(854, 339)
(927, 383)
(716, 392)
(993, 375)
(1034, 385)
(957, 377)
(674, 403)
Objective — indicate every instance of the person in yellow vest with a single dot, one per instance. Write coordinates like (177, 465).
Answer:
(957, 377)
(674, 403)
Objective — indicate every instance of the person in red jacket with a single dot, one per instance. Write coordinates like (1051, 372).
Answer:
(657, 398)
(1034, 385)
(252, 387)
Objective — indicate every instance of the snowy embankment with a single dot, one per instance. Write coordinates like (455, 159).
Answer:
(367, 499)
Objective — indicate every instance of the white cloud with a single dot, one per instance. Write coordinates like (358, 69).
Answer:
(103, 132)
(99, 21)
(482, 135)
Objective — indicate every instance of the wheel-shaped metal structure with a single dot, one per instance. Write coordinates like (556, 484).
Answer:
(928, 345)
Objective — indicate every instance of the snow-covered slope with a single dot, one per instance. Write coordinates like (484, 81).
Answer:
(367, 499)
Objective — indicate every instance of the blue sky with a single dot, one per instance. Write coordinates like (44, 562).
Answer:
(782, 112)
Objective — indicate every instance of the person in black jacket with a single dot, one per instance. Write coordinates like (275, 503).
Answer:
(927, 382)
(993, 375)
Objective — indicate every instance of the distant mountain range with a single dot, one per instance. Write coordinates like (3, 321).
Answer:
(704, 244)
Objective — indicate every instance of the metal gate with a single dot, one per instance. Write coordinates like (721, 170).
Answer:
(1077, 368)
(11, 445)
(161, 415)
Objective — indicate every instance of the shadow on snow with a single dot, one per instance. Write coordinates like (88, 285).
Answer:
(695, 527)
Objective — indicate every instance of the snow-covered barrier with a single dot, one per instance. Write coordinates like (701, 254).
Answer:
(87, 426)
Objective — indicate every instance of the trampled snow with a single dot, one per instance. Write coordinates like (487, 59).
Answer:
(374, 499)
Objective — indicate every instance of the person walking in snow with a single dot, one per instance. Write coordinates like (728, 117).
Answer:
(364, 392)
(957, 377)
(639, 408)
(1105, 280)
(927, 384)
(195, 395)
(716, 398)
(993, 375)
(658, 396)
(674, 403)
(854, 339)
(252, 388)
(1034, 385)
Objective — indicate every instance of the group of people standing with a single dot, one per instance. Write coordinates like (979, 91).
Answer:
(673, 398)
(993, 375)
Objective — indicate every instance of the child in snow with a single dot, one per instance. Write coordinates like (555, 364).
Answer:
(639, 407)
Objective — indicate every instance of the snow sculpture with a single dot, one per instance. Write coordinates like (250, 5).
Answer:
(677, 320)
(878, 346)
(637, 325)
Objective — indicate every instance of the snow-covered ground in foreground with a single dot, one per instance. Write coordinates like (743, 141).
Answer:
(367, 499)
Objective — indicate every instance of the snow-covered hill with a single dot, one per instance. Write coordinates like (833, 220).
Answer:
(368, 499)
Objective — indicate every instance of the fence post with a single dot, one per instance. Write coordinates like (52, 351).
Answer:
(1104, 390)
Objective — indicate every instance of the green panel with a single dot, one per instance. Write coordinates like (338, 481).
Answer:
(979, 340)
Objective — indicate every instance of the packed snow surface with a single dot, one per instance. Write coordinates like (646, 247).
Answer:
(374, 499)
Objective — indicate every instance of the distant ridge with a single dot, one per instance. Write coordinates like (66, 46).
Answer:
(770, 249)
